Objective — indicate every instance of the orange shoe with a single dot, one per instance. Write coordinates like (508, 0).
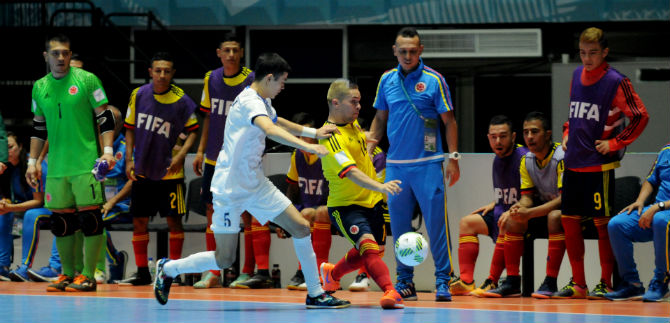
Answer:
(329, 284)
(60, 284)
(391, 300)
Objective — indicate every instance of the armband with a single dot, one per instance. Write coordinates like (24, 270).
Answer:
(39, 130)
(308, 132)
(32, 161)
(105, 121)
(108, 150)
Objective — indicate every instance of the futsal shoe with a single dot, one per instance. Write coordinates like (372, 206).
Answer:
(136, 279)
(600, 291)
(297, 281)
(572, 290)
(208, 281)
(118, 271)
(547, 288)
(658, 290)
(487, 285)
(627, 292)
(60, 284)
(20, 274)
(162, 283)
(511, 287)
(258, 281)
(99, 276)
(82, 284)
(45, 274)
(325, 300)
(4, 274)
(329, 283)
(406, 290)
(391, 300)
(460, 288)
(360, 284)
(240, 279)
(442, 293)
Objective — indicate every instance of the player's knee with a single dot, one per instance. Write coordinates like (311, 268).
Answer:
(224, 259)
(64, 224)
(322, 215)
(91, 223)
(31, 215)
(658, 223)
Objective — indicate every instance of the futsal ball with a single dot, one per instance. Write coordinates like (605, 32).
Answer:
(411, 248)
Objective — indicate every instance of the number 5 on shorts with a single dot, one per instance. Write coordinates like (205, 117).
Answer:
(226, 220)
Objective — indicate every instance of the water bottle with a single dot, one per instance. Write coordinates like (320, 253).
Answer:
(152, 268)
(276, 276)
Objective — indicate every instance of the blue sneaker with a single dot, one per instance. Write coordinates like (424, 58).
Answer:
(325, 301)
(118, 272)
(45, 274)
(626, 292)
(658, 290)
(19, 274)
(162, 283)
(407, 290)
(4, 274)
(442, 293)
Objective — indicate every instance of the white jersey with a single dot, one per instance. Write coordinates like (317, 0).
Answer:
(238, 172)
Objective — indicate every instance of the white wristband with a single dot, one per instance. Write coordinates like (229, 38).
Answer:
(308, 132)
(32, 161)
(108, 150)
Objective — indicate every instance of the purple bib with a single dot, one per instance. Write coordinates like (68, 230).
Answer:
(312, 184)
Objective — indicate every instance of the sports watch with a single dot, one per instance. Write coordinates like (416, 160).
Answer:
(661, 206)
(455, 155)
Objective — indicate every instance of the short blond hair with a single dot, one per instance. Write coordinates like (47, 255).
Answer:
(339, 89)
(593, 35)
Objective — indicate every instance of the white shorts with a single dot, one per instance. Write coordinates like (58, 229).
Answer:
(265, 204)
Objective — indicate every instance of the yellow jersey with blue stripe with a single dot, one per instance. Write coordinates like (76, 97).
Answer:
(347, 150)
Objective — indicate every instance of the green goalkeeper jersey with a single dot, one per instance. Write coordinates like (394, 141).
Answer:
(68, 105)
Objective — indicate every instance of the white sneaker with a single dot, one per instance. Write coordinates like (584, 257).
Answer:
(99, 276)
(360, 284)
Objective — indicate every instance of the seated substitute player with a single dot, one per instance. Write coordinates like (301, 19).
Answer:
(308, 191)
(239, 184)
(637, 223)
(541, 176)
(484, 220)
(355, 199)
(159, 113)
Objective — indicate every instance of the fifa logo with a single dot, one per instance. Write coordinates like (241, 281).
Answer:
(311, 186)
(584, 110)
(153, 124)
(220, 107)
(509, 196)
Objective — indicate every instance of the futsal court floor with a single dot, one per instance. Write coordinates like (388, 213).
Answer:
(29, 302)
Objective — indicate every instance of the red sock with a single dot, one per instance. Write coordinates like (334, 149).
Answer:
(140, 244)
(321, 240)
(176, 244)
(351, 261)
(498, 260)
(210, 243)
(513, 252)
(574, 244)
(249, 261)
(369, 250)
(605, 250)
(261, 238)
(555, 253)
(468, 250)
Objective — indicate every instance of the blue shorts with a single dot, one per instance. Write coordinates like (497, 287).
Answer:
(491, 220)
(353, 221)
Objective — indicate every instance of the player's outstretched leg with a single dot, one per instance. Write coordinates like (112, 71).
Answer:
(162, 282)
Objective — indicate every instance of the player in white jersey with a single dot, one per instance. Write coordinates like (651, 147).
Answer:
(239, 184)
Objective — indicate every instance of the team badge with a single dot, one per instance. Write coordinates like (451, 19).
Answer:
(420, 87)
(48, 197)
(354, 229)
(118, 155)
(73, 90)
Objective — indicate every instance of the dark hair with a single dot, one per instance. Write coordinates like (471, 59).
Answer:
(501, 119)
(231, 37)
(304, 118)
(23, 161)
(57, 38)
(162, 56)
(408, 32)
(76, 57)
(537, 115)
(270, 63)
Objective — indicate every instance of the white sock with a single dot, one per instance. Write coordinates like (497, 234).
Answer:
(307, 258)
(195, 263)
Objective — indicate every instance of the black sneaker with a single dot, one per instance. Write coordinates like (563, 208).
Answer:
(163, 283)
(511, 287)
(118, 271)
(548, 288)
(258, 281)
(136, 279)
(297, 280)
(325, 301)
(406, 290)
